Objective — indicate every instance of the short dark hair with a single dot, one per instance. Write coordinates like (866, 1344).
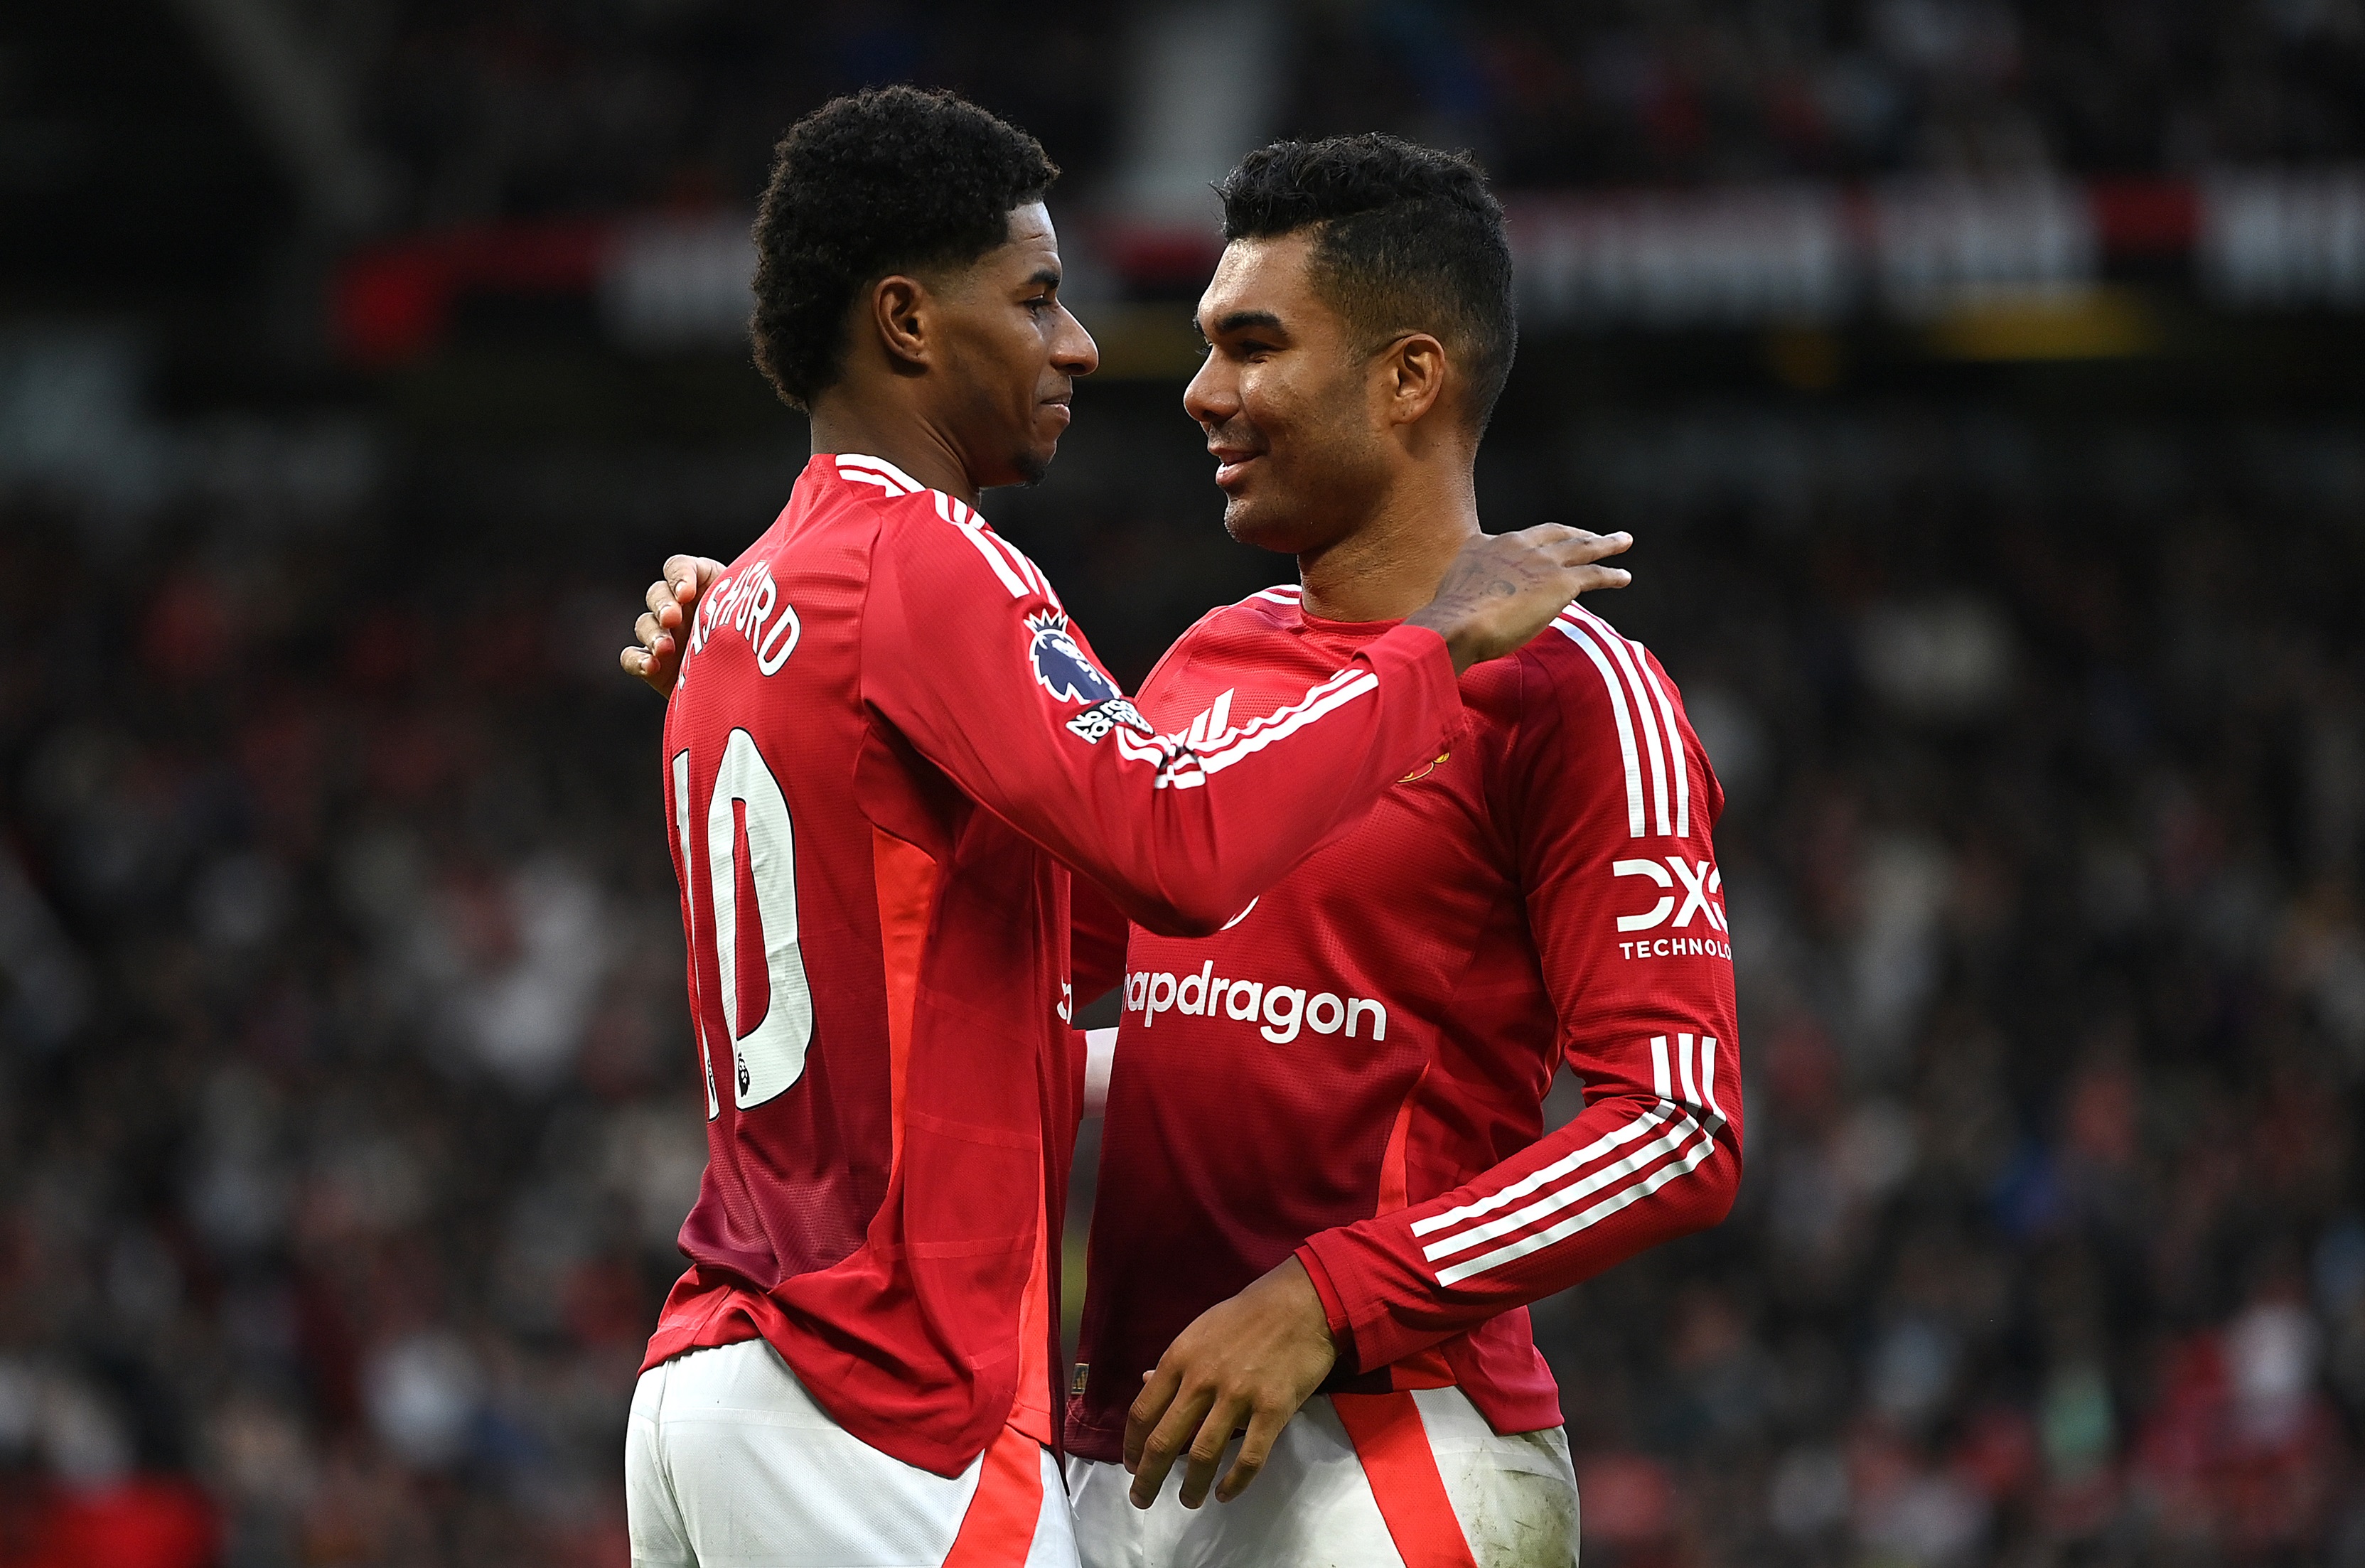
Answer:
(1411, 241)
(887, 180)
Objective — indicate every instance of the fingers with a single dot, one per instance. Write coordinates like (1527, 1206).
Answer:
(1587, 547)
(1215, 1434)
(1158, 1451)
(1573, 546)
(1264, 1430)
(1577, 551)
(689, 575)
(1563, 544)
(653, 661)
(660, 645)
(677, 591)
(654, 635)
(665, 613)
(670, 601)
(1544, 536)
(1158, 1390)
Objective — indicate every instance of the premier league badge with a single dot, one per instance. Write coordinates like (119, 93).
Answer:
(1061, 667)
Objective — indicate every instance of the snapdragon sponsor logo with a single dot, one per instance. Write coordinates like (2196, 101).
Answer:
(1278, 1010)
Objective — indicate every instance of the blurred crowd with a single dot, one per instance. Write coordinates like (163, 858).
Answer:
(1583, 94)
(2044, 854)
(347, 1110)
(343, 1131)
(533, 106)
(540, 106)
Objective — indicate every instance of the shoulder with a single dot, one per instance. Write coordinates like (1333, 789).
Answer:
(1277, 604)
(919, 524)
(1248, 624)
(1598, 702)
(1261, 614)
(1233, 638)
(1583, 665)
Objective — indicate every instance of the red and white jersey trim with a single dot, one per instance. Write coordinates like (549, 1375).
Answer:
(1325, 699)
(857, 468)
(1626, 669)
(1706, 1090)
(1010, 563)
(1187, 766)
(1685, 1135)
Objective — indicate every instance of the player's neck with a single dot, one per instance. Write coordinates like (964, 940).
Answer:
(845, 424)
(1389, 564)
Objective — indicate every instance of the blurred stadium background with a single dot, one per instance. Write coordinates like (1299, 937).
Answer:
(1980, 380)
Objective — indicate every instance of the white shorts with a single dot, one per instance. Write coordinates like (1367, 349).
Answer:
(730, 1464)
(1422, 1482)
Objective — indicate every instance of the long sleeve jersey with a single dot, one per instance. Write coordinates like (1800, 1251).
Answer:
(887, 749)
(1355, 1070)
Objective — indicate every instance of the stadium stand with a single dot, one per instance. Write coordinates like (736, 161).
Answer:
(346, 1106)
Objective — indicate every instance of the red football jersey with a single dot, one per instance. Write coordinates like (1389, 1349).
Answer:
(1355, 1070)
(886, 745)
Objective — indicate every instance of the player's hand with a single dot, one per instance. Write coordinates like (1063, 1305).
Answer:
(672, 599)
(1503, 588)
(1249, 1362)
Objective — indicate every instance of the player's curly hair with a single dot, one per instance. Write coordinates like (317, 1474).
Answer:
(888, 179)
(1410, 240)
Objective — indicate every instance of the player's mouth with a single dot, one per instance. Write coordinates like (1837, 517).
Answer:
(1056, 408)
(1231, 464)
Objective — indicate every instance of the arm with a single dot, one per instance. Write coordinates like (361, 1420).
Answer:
(1656, 1152)
(1479, 573)
(971, 658)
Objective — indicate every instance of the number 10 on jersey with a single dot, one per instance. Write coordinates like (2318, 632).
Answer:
(750, 915)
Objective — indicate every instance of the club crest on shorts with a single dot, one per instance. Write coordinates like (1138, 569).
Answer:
(1060, 665)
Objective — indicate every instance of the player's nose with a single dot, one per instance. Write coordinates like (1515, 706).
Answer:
(1210, 397)
(1072, 350)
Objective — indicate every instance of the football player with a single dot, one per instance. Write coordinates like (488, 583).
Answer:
(886, 750)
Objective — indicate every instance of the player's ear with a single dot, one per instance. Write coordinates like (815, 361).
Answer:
(899, 314)
(1414, 371)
